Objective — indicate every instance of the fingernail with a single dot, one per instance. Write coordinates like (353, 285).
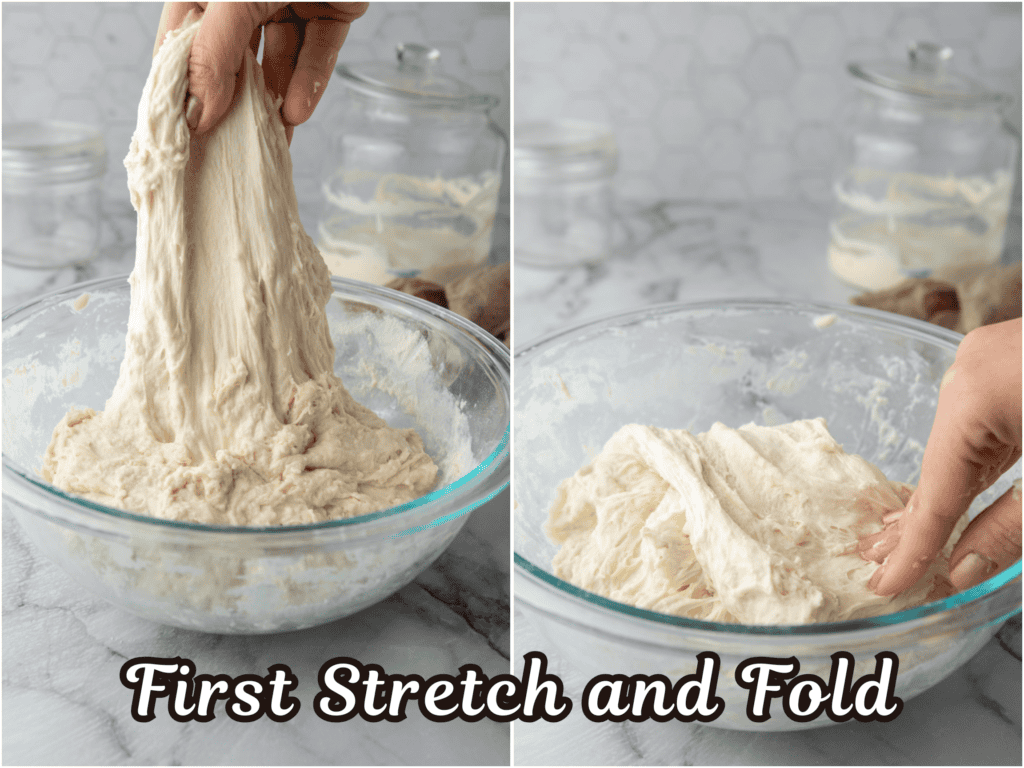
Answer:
(972, 570)
(947, 377)
(193, 112)
(876, 577)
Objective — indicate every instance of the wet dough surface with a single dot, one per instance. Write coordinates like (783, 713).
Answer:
(756, 525)
(226, 409)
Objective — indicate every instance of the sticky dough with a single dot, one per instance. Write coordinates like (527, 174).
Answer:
(756, 525)
(226, 409)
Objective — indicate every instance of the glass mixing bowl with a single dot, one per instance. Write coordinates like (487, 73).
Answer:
(874, 376)
(413, 363)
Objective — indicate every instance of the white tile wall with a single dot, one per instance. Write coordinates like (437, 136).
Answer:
(87, 62)
(711, 99)
(83, 62)
(739, 100)
(473, 39)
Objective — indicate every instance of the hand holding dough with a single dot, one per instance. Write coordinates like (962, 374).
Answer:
(300, 47)
(227, 409)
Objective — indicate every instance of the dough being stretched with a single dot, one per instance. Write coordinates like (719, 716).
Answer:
(227, 409)
(756, 525)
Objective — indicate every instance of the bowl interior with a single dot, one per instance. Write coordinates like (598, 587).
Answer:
(412, 363)
(873, 377)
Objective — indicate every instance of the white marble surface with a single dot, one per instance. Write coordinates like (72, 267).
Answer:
(63, 703)
(973, 717)
(685, 251)
(679, 251)
(63, 648)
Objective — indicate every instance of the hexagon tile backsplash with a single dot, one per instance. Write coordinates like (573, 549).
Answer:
(87, 62)
(721, 100)
(736, 100)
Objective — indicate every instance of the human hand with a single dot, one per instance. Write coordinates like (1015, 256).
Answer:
(975, 438)
(300, 47)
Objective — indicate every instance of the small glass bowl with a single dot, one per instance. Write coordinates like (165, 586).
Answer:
(52, 185)
(873, 375)
(564, 173)
(65, 349)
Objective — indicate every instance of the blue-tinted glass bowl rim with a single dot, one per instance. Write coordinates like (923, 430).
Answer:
(498, 457)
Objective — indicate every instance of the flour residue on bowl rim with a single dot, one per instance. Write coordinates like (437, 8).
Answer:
(413, 377)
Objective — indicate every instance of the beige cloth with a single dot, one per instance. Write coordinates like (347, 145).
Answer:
(959, 299)
(481, 296)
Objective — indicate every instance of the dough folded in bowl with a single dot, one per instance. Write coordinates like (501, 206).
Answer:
(756, 525)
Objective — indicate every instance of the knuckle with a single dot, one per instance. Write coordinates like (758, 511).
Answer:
(980, 343)
(349, 12)
(201, 71)
(1006, 537)
(256, 13)
(974, 382)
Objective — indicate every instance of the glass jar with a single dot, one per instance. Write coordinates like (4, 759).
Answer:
(52, 182)
(928, 175)
(414, 190)
(563, 193)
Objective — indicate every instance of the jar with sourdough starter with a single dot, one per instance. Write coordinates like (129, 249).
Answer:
(564, 173)
(414, 191)
(928, 176)
(52, 184)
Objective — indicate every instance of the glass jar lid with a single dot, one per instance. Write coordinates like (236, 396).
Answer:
(50, 151)
(415, 77)
(925, 76)
(565, 150)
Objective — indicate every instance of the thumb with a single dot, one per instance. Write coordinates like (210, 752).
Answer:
(217, 52)
(990, 543)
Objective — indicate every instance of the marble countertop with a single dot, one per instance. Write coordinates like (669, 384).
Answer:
(680, 251)
(63, 647)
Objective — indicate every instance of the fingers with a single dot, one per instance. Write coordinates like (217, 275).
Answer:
(216, 58)
(877, 546)
(299, 53)
(321, 42)
(990, 543)
(281, 44)
(948, 483)
(904, 492)
(347, 12)
(922, 533)
(885, 503)
(975, 437)
(254, 41)
(948, 479)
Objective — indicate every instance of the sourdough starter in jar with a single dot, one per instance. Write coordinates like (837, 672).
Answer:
(929, 173)
(564, 193)
(52, 179)
(414, 191)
